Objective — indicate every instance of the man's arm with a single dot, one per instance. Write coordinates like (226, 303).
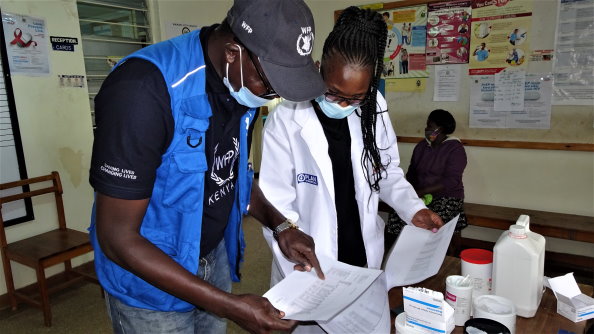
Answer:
(295, 244)
(118, 232)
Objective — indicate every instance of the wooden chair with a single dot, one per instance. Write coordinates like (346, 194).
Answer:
(43, 250)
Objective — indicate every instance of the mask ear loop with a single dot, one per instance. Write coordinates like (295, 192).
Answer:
(240, 64)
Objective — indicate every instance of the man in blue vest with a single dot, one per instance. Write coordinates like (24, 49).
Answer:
(171, 175)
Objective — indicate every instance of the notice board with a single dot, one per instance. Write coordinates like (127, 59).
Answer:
(571, 126)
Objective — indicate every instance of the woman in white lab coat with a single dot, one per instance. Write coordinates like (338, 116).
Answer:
(326, 163)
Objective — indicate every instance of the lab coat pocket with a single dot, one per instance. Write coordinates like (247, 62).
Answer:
(185, 181)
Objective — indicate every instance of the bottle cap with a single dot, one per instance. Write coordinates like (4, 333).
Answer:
(517, 231)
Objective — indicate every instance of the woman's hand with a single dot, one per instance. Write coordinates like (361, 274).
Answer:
(428, 220)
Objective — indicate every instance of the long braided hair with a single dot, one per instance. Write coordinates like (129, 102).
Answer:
(359, 36)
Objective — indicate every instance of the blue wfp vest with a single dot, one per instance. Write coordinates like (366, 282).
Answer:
(173, 220)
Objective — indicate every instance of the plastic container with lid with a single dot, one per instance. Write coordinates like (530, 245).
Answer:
(496, 308)
(478, 264)
(518, 267)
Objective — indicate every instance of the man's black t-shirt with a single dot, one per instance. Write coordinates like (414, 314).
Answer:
(135, 126)
(351, 248)
(222, 152)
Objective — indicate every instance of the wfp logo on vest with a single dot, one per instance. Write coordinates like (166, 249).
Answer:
(307, 178)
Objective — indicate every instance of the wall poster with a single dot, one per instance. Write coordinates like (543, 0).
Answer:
(574, 50)
(500, 35)
(26, 44)
(405, 48)
(448, 32)
(536, 111)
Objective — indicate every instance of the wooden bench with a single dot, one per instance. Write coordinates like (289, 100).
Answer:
(548, 224)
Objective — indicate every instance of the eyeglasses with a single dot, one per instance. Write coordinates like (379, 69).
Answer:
(270, 93)
(352, 101)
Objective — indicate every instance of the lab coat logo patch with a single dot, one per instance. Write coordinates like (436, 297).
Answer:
(307, 178)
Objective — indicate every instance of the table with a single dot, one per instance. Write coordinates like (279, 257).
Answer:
(546, 320)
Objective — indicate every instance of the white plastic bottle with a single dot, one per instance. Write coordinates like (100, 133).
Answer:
(518, 267)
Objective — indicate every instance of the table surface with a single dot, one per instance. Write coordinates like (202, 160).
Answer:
(546, 320)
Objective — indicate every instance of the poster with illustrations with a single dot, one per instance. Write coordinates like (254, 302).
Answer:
(500, 35)
(405, 45)
(26, 44)
(448, 32)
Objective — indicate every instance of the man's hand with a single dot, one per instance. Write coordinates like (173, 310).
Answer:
(428, 220)
(257, 315)
(300, 248)
(296, 245)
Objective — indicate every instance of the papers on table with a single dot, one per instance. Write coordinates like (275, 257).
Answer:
(417, 254)
(303, 296)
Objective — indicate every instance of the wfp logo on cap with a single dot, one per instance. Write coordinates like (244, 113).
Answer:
(307, 178)
(246, 27)
(305, 41)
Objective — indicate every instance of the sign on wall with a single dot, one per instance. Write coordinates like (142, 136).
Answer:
(174, 29)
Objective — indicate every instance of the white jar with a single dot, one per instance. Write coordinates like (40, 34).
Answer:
(478, 264)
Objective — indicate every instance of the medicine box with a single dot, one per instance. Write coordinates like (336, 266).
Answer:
(571, 302)
(427, 311)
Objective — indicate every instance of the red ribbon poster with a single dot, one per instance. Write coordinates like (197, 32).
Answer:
(26, 44)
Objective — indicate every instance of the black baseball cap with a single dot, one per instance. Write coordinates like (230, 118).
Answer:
(281, 34)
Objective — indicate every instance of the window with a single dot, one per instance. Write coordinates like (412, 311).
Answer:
(111, 30)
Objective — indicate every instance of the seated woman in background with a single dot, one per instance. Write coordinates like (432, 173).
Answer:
(435, 171)
(327, 162)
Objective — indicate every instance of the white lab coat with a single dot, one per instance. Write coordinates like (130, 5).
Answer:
(295, 149)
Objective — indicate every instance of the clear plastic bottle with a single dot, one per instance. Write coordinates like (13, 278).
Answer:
(518, 267)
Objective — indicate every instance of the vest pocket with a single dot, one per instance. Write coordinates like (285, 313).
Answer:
(185, 181)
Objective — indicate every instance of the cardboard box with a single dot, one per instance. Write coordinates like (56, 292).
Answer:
(427, 311)
(571, 302)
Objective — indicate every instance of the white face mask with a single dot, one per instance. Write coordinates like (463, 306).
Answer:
(244, 96)
(334, 110)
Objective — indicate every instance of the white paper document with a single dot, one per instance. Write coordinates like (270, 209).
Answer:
(417, 254)
(370, 313)
(447, 83)
(303, 296)
(509, 90)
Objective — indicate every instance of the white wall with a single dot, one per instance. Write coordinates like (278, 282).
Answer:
(55, 125)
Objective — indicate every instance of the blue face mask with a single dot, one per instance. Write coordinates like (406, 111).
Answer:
(334, 110)
(244, 96)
